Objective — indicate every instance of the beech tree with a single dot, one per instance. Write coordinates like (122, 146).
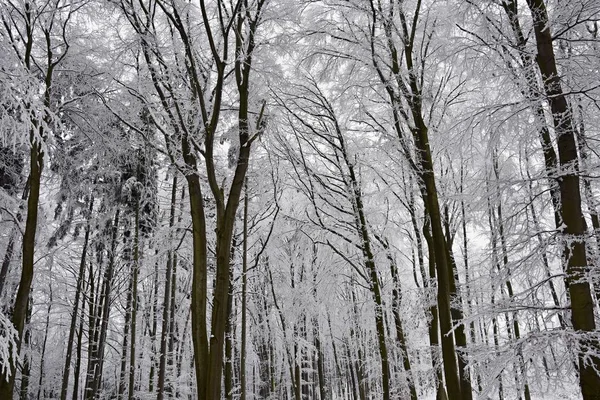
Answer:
(299, 200)
(189, 137)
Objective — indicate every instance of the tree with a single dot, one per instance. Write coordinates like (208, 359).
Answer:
(44, 30)
(188, 139)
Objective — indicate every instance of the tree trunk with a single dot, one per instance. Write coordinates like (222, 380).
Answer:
(244, 296)
(134, 300)
(199, 286)
(78, 357)
(399, 330)
(125, 345)
(44, 342)
(21, 302)
(582, 306)
(434, 330)
(229, 335)
(78, 289)
(153, 328)
(164, 334)
(97, 356)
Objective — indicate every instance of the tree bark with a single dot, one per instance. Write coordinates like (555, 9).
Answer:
(582, 306)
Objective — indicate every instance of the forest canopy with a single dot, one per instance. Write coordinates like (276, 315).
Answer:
(315, 199)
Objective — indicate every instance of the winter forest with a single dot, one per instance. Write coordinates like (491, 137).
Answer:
(300, 200)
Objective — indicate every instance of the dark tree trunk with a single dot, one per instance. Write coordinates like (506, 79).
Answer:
(125, 345)
(22, 299)
(582, 306)
(77, 369)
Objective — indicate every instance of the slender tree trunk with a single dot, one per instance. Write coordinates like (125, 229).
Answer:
(496, 263)
(354, 374)
(229, 334)
(125, 346)
(318, 353)
(134, 300)
(44, 342)
(263, 343)
(531, 92)
(361, 226)
(244, 295)
(165, 331)
(424, 169)
(153, 329)
(173, 332)
(520, 362)
(74, 315)
(399, 330)
(97, 356)
(78, 356)
(467, 271)
(173, 311)
(93, 322)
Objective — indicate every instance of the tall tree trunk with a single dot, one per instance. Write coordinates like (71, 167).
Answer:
(125, 346)
(134, 299)
(582, 306)
(520, 363)
(434, 330)
(531, 93)
(153, 328)
(424, 169)
(173, 311)
(44, 342)
(20, 308)
(399, 330)
(244, 296)
(199, 285)
(165, 331)
(97, 356)
(75, 313)
(78, 355)
(457, 312)
(229, 335)
(93, 326)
